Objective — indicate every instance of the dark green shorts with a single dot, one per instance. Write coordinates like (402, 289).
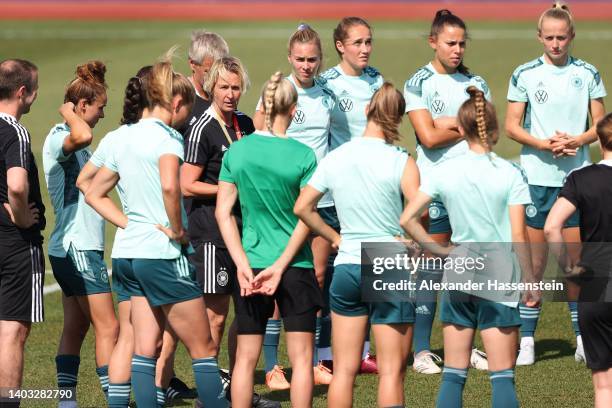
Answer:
(124, 283)
(439, 222)
(345, 299)
(161, 281)
(81, 273)
(461, 309)
(543, 198)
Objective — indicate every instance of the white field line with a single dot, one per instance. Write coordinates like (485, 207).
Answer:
(116, 33)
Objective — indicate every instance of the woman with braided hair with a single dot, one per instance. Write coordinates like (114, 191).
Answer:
(367, 177)
(77, 241)
(550, 100)
(498, 218)
(267, 170)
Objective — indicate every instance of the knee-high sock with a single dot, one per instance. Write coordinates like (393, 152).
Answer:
(119, 395)
(503, 394)
(451, 389)
(143, 380)
(103, 377)
(529, 319)
(573, 308)
(208, 382)
(270, 343)
(425, 310)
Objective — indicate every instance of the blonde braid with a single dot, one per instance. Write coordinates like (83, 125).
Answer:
(269, 94)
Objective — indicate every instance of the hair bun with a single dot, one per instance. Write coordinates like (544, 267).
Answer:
(474, 92)
(560, 5)
(302, 27)
(443, 12)
(92, 71)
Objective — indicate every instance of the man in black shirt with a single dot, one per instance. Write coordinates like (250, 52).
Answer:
(21, 221)
(589, 191)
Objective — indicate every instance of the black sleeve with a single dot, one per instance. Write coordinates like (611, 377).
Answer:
(569, 191)
(246, 125)
(17, 150)
(196, 146)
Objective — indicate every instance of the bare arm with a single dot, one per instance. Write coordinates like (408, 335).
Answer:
(523, 251)
(306, 210)
(560, 212)
(191, 186)
(226, 198)
(80, 132)
(597, 110)
(430, 136)
(97, 197)
(171, 193)
(514, 130)
(411, 223)
(87, 174)
(22, 214)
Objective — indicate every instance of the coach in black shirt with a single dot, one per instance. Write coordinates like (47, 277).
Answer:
(589, 191)
(21, 221)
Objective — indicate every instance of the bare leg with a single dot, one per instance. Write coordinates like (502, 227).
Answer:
(457, 345)
(348, 334)
(13, 336)
(76, 325)
(249, 348)
(300, 348)
(100, 311)
(217, 307)
(602, 383)
(120, 365)
(392, 348)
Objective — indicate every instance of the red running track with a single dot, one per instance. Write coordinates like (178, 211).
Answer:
(231, 10)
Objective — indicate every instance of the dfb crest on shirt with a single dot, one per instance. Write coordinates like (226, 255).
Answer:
(346, 104)
(577, 82)
(541, 96)
(222, 277)
(299, 117)
(438, 106)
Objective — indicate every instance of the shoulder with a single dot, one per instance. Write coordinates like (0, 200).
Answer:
(479, 81)
(329, 75)
(586, 67)
(12, 129)
(371, 72)
(244, 120)
(528, 66)
(168, 131)
(420, 76)
(511, 167)
(203, 123)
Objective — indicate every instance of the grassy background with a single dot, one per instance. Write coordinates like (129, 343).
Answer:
(399, 49)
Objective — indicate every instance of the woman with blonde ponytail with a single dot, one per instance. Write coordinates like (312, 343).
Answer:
(267, 170)
(494, 224)
(550, 100)
(150, 256)
(367, 178)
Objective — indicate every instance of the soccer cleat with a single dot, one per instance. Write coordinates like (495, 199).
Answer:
(275, 379)
(322, 375)
(368, 365)
(260, 402)
(579, 354)
(225, 379)
(425, 362)
(177, 389)
(329, 364)
(478, 360)
(526, 355)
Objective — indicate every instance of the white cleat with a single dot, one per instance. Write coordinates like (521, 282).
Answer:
(526, 355)
(579, 354)
(425, 362)
(478, 360)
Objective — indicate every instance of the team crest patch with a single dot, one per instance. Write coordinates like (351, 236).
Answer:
(346, 104)
(531, 211)
(104, 274)
(577, 82)
(434, 212)
(299, 117)
(222, 277)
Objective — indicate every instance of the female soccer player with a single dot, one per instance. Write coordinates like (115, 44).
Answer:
(499, 217)
(157, 273)
(549, 102)
(266, 170)
(353, 82)
(310, 126)
(77, 242)
(589, 191)
(366, 178)
(433, 97)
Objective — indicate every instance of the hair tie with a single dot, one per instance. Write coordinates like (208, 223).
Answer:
(303, 26)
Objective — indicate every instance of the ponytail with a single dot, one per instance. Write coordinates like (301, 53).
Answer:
(278, 96)
(478, 119)
(387, 108)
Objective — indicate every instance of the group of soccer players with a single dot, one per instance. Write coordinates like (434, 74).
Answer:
(272, 212)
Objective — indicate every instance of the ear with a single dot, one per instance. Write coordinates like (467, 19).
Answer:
(192, 65)
(21, 91)
(289, 59)
(293, 110)
(340, 47)
(177, 102)
(461, 131)
(81, 105)
(432, 42)
(367, 109)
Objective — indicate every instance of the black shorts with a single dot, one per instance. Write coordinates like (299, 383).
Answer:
(215, 270)
(299, 299)
(595, 321)
(22, 277)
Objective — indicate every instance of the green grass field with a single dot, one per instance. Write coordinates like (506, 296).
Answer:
(399, 49)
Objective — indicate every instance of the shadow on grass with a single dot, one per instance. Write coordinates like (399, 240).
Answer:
(551, 349)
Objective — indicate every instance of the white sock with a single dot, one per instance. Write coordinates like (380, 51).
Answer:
(366, 349)
(325, 353)
(527, 341)
(579, 341)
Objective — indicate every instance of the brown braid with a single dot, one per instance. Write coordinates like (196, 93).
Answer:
(478, 119)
